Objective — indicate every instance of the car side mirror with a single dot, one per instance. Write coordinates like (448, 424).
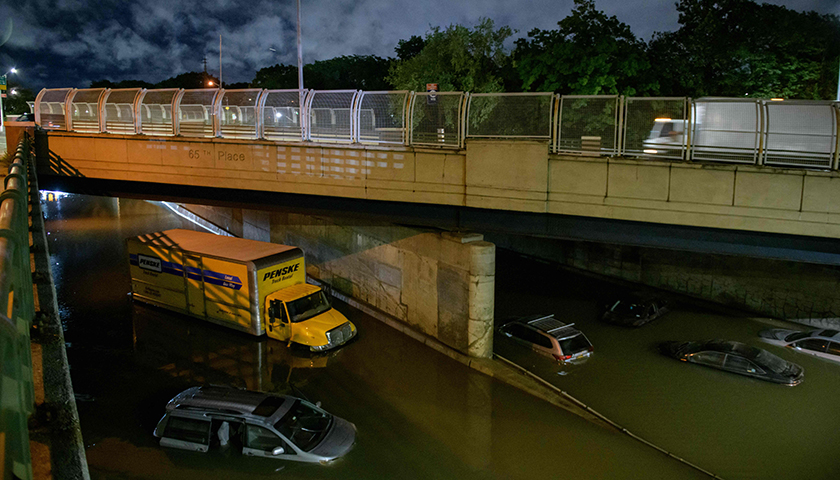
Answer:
(278, 451)
(318, 404)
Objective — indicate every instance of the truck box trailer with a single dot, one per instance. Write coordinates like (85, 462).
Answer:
(251, 286)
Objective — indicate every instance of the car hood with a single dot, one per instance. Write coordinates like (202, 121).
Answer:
(774, 333)
(338, 441)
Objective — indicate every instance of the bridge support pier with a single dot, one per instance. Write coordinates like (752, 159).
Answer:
(440, 284)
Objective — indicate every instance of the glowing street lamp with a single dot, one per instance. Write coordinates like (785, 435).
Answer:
(3, 84)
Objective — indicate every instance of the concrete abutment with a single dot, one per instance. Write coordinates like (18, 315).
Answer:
(439, 284)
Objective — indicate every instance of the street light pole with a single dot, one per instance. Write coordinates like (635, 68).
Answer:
(300, 51)
(2, 113)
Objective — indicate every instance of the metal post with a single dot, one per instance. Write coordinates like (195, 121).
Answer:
(300, 51)
(220, 61)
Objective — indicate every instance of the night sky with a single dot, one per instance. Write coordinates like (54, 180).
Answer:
(69, 43)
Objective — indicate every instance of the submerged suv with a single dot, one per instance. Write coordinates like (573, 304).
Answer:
(548, 336)
(261, 424)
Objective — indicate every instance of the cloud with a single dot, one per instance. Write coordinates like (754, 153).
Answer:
(71, 42)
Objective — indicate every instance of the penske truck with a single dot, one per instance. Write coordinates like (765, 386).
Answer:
(251, 286)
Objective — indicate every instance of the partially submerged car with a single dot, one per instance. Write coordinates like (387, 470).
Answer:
(548, 336)
(823, 343)
(635, 310)
(736, 357)
(261, 424)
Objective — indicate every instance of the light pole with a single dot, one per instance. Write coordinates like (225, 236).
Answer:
(300, 51)
(3, 84)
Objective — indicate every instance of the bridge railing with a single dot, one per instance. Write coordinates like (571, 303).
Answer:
(17, 310)
(789, 133)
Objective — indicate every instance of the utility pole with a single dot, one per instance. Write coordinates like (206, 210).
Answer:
(220, 60)
(300, 51)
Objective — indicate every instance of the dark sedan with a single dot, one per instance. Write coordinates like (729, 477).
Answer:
(635, 310)
(736, 357)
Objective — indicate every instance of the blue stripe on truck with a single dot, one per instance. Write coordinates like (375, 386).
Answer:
(211, 277)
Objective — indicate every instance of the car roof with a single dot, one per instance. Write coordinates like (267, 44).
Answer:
(221, 399)
(828, 334)
(550, 325)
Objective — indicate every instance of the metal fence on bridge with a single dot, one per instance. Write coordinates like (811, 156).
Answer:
(783, 133)
(17, 310)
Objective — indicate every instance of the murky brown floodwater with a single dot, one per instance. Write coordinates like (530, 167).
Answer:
(420, 414)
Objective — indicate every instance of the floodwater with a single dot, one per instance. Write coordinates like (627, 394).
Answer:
(418, 413)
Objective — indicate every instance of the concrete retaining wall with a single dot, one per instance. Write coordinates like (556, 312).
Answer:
(800, 292)
(440, 284)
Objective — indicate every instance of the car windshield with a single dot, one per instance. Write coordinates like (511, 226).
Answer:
(796, 336)
(308, 306)
(573, 345)
(772, 362)
(304, 426)
(629, 308)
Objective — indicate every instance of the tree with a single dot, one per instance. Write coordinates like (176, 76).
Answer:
(589, 54)
(738, 48)
(190, 80)
(15, 103)
(362, 72)
(407, 49)
(121, 84)
(457, 58)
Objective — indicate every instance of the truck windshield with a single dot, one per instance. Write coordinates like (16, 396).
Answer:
(308, 306)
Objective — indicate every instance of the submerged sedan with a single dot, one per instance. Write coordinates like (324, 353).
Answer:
(736, 357)
(820, 343)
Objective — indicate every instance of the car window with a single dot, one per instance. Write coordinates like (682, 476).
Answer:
(524, 333)
(814, 344)
(304, 426)
(260, 438)
(714, 359)
(834, 348)
(740, 365)
(188, 430)
(573, 345)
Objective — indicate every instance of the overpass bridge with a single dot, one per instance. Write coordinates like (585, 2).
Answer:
(725, 175)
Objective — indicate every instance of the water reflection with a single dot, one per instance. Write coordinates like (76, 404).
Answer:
(419, 414)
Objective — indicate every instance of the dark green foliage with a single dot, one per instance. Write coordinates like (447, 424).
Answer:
(361, 72)
(589, 54)
(457, 59)
(121, 84)
(740, 48)
(407, 49)
(189, 80)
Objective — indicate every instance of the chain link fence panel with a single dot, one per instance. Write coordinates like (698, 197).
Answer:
(238, 113)
(436, 119)
(510, 115)
(655, 127)
(382, 117)
(281, 113)
(588, 124)
(330, 115)
(119, 111)
(196, 113)
(156, 112)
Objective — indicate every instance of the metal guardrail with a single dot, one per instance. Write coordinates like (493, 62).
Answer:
(17, 310)
(789, 133)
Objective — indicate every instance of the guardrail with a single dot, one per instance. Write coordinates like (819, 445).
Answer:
(17, 310)
(784, 133)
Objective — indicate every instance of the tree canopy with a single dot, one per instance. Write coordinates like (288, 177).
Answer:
(456, 58)
(741, 48)
(362, 72)
(589, 54)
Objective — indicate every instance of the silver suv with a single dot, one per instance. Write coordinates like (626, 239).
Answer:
(261, 424)
(550, 337)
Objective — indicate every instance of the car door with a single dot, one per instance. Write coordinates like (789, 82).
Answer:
(262, 442)
(812, 346)
(186, 433)
(277, 323)
(741, 365)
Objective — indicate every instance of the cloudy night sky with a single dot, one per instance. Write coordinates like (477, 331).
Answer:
(69, 43)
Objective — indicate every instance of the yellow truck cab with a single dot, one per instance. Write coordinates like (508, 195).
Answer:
(251, 286)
